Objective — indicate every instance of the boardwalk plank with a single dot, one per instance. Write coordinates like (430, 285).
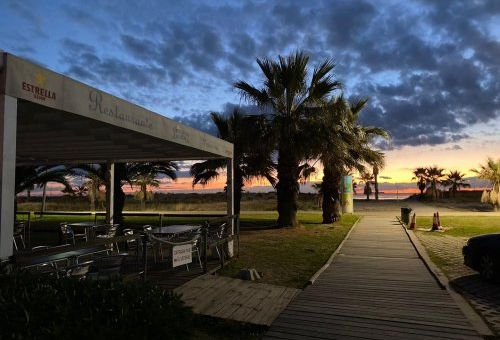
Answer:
(377, 287)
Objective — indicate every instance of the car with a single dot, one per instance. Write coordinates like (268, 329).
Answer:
(482, 254)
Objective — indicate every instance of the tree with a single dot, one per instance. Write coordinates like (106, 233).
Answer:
(434, 177)
(252, 153)
(127, 173)
(490, 172)
(30, 177)
(343, 145)
(143, 181)
(455, 180)
(420, 174)
(290, 98)
(367, 178)
(375, 180)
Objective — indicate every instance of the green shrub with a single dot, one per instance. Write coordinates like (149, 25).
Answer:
(50, 308)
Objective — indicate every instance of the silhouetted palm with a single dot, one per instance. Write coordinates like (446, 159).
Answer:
(367, 178)
(290, 99)
(343, 145)
(455, 180)
(127, 173)
(420, 174)
(434, 177)
(143, 181)
(252, 153)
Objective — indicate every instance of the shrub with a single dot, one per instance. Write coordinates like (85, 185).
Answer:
(49, 308)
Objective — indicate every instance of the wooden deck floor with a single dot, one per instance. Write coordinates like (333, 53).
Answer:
(243, 301)
(376, 288)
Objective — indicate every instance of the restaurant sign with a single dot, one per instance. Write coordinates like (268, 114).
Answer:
(39, 90)
(182, 254)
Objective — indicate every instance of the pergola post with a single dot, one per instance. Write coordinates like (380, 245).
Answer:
(230, 200)
(8, 128)
(110, 192)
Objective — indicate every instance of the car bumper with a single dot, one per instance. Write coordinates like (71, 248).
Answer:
(466, 252)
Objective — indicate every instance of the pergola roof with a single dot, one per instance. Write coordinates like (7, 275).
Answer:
(60, 120)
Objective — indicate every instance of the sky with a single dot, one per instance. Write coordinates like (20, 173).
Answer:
(431, 69)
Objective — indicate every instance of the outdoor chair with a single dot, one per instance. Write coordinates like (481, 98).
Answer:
(131, 244)
(147, 230)
(215, 234)
(19, 230)
(106, 267)
(161, 244)
(67, 233)
(111, 230)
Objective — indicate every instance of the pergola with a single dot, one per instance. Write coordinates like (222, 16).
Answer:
(48, 118)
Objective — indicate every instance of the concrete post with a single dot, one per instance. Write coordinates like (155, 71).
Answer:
(110, 192)
(230, 200)
(8, 129)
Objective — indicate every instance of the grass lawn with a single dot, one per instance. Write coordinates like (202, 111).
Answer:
(289, 257)
(463, 226)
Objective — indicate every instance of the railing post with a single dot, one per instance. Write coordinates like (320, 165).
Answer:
(29, 231)
(161, 220)
(144, 255)
(204, 235)
(238, 234)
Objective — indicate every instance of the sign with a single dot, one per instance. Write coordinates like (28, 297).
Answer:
(182, 255)
(38, 90)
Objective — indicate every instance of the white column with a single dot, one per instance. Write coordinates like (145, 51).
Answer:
(110, 192)
(230, 199)
(8, 129)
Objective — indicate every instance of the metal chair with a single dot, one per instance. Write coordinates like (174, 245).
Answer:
(111, 230)
(68, 232)
(19, 229)
(216, 234)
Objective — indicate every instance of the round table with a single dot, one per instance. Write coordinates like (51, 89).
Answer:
(176, 229)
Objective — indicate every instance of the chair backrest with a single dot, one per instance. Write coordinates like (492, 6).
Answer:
(19, 227)
(147, 228)
(66, 229)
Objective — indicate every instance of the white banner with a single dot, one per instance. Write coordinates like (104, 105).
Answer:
(182, 255)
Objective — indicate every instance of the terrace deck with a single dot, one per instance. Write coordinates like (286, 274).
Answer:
(233, 299)
(376, 288)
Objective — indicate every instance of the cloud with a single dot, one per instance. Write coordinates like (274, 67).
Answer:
(430, 68)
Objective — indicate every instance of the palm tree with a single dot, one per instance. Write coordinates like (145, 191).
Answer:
(368, 179)
(455, 180)
(126, 173)
(29, 177)
(420, 174)
(491, 172)
(252, 153)
(343, 145)
(434, 177)
(375, 180)
(143, 181)
(290, 98)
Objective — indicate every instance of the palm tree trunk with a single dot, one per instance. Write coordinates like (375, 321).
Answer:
(44, 196)
(376, 186)
(328, 189)
(287, 187)
(144, 196)
(119, 197)
(238, 190)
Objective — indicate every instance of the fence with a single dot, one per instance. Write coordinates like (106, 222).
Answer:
(232, 233)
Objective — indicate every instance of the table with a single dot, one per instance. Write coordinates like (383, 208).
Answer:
(87, 226)
(176, 229)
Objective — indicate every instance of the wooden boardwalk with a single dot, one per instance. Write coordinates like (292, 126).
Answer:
(243, 301)
(375, 288)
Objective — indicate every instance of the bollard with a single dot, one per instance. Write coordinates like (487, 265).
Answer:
(413, 223)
